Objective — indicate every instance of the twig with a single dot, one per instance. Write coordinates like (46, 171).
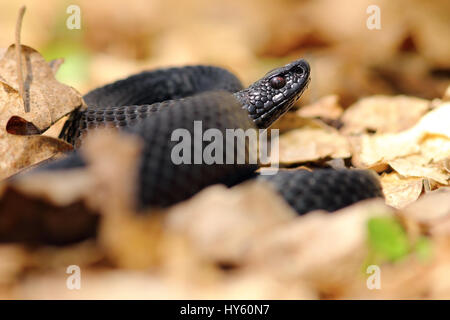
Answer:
(19, 56)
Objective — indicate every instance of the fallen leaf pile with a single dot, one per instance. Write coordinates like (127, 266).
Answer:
(379, 100)
(21, 144)
(242, 242)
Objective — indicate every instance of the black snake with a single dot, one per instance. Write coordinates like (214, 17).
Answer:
(153, 104)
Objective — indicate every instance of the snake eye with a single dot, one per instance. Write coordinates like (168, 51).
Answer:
(277, 82)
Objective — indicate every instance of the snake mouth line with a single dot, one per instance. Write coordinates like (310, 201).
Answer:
(268, 116)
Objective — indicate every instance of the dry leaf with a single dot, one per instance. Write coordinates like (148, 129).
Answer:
(446, 96)
(327, 107)
(291, 120)
(400, 191)
(48, 101)
(65, 203)
(18, 152)
(310, 144)
(113, 159)
(383, 114)
(432, 211)
(385, 147)
(221, 222)
(319, 246)
(13, 260)
(417, 166)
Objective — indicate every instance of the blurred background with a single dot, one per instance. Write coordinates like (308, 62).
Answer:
(410, 54)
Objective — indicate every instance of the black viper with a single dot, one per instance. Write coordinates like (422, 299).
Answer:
(153, 104)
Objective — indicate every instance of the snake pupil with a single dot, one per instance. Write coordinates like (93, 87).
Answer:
(277, 82)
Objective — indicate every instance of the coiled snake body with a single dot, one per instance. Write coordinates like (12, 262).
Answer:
(154, 104)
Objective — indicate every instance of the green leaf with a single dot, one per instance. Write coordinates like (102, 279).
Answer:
(75, 69)
(387, 239)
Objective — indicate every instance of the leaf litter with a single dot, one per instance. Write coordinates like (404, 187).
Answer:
(21, 142)
(223, 243)
(237, 243)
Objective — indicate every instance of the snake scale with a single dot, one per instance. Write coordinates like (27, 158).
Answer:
(153, 104)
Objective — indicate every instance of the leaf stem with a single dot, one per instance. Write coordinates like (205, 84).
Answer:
(19, 56)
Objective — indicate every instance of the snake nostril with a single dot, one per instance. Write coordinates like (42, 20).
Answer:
(300, 71)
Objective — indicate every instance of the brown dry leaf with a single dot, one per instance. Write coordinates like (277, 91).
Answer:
(13, 260)
(382, 148)
(419, 166)
(83, 254)
(436, 149)
(112, 158)
(327, 107)
(104, 284)
(47, 207)
(383, 114)
(432, 211)
(135, 241)
(400, 191)
(439, 284)
(55, 64)
(291, 120)
(126, 284)
(310, 144)
(60, 188)
(19, 152)
(48, 101)
(65, 203)
(406, 279)
(220, 223)
(129, 239)
(446, 96)
(319, 247)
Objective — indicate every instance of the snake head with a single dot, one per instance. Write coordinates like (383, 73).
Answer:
(273, 95)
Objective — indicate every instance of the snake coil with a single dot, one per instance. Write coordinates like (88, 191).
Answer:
(154, 104)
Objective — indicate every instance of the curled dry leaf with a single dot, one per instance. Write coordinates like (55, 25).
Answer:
(383, 114)
(432, 131)
(19, 152)
(47, 99)
(400, 191)
(312, 143)
(55, 64)
(418, 166)
(327, 107)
